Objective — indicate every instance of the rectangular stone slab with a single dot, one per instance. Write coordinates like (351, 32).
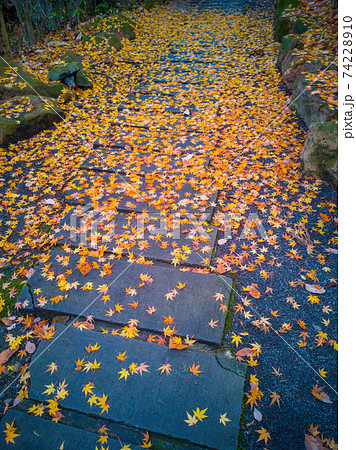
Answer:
(186, 78)
(180, 66)
(159, 141)
(128, 161)
(166, 104)
(137, 194)
(191, 59)
(191, 91)
(36, 433)
(167, 122)
(192, 308)
(153, 401)
(150, 106)
(124, 233)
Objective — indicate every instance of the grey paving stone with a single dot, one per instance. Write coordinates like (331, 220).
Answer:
(189, 90)
(159, 141)
(128, 161)
(162, 103)
(191, 58)
(149, 104)
(136, 194)
(192, 308)
(154, 237)
(194, 78)
(181, 66)
(152, 401)
(167, 122)
(36, 433)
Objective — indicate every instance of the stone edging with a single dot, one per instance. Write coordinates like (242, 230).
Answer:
(319, 155)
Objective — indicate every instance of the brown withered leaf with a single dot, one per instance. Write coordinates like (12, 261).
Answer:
(311, 443)
(7, 321)
(6, 355)
(243, 353)
(84, 267)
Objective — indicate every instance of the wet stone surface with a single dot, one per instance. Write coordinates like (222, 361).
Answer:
(166, 397)
(191, 307)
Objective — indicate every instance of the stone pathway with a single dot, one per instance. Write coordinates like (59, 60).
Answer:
(133, 197)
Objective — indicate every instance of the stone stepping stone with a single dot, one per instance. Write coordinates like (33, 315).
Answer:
(191, 59)
(192, 91)
(166, 122)
(166, 104)
(159, 141)
(155, 237)
(202, 66)
(181, 78)
(127, 161)
(148, 104)
(36, 433)
(154, 401)
(188, 72)
(136, 194)
(192, 307)
(211, 51)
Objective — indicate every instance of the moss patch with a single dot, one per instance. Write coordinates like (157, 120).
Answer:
(228, 320)
(9, 291)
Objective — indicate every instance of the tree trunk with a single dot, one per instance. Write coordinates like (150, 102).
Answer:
(23, 14)
(20, 17)
(31, 33)
(4, 41)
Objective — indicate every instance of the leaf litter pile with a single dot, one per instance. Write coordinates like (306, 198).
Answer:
(229, 147)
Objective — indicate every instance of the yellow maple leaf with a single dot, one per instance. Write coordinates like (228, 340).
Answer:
(10, 432)
(223, 419)
(192, 419)
(200, 414)
(264, 435)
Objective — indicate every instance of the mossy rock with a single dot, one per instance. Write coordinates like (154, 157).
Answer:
(290, 42)
(282, 5)
(44, 112)
(61, 71)
(107, 38)
(286, 24)
(308, 104)
(116, 20)
(67, 97)
(320, 152)
(69, 71)
(127, 31)
(149, 4)
(82, 80)
(70, 57)
(282, 26)
(23, 83)
(122, 26)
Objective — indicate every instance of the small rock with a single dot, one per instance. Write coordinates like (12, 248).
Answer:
(61, 319)
(69, 96)
(17, 367)
(7, 266)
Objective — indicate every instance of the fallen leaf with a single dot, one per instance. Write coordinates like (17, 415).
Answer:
(257, 414)
(314, 289)
(5, 355)
(30, 347)
(311, 443)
